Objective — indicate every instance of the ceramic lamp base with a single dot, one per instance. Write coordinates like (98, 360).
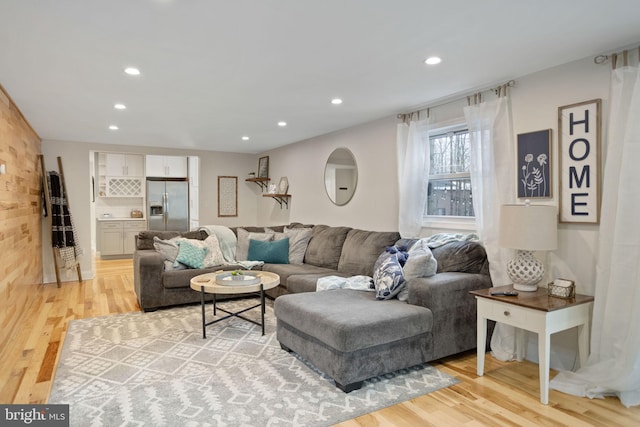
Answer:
(525, 271)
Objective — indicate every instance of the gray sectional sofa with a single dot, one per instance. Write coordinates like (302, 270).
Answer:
(341, 331)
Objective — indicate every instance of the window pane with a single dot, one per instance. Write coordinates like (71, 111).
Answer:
(450, 153)
(450, 197)
(449, 191)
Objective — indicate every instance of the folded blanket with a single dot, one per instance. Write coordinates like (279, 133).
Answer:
(226, 238)
(441, 239)
(358, 283)
(228, 241)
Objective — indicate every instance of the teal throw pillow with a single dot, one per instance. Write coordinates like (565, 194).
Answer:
(190, 255)
(274, 252)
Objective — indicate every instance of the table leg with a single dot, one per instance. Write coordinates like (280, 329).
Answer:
(583, 343)
(262, 308)
(521, 344)
(544, 344)
(481, 343)
(214, 304)
(204, 323)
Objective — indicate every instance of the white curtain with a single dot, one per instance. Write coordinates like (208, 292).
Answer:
(493, 183)
(613, 367)
(413, 175)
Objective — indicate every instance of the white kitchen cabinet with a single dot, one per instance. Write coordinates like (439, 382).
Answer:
(194, 205)
(166, 166)
(130, 230)
(194, 171)
(124, 164)
(118, 237)
(194, 196)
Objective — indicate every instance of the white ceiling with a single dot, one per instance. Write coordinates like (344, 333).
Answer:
(215, 70)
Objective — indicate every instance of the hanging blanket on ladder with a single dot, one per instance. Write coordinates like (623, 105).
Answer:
(63, 233)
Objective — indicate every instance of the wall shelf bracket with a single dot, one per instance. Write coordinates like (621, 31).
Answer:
(263, 183)
(282, 199)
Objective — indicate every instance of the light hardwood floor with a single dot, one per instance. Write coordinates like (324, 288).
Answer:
(507, 395)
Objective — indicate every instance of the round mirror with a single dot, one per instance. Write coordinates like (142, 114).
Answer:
(341, 176)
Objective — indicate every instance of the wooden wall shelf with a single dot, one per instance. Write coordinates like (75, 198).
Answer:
(263, 183)
(280, 198)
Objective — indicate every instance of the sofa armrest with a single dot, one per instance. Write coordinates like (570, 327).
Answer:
(148, 267)
(454, 309)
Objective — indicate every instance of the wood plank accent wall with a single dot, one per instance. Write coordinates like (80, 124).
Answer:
(20, 219)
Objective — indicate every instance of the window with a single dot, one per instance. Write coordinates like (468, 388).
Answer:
(449, 192)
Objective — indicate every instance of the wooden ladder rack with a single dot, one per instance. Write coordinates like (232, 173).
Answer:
(47, 200)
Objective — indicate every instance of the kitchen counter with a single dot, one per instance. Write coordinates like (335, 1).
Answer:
(126, 218)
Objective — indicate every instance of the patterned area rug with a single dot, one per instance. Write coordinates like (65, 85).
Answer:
(154, 369)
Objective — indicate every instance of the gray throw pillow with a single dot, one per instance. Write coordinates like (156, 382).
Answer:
(298, 242)
(420, 262)
(167, 248)
(242, 249)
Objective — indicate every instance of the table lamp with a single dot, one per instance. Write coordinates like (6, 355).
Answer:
(527, 228)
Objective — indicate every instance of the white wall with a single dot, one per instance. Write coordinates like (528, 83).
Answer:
(76, 164)
(373, 206)
(535, 101)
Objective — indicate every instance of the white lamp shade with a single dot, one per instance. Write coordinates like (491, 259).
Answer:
(528, 227)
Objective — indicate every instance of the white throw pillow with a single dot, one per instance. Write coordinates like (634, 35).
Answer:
(214, 256)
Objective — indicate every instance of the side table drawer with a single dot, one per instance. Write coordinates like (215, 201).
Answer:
(510, 314)
(506, 313)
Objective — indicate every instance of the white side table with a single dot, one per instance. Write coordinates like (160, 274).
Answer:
(536, 312)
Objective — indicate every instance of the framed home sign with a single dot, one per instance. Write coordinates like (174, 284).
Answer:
(579, 134)
(227, 196)
(534, 164)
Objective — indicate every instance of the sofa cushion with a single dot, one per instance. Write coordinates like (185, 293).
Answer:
(274, 252)
(462, 256)
(362, 248)
(325, 246)
(349, 320)
(388, 278)
(287, 270)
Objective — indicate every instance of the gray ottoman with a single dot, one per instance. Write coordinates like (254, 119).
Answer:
(351, 336)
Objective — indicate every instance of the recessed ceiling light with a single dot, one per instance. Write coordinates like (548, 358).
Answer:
(114, 127)
(132, 71)
(120, 106)
(245, 138)
(433, 60)
(336, 101)
(282, 124)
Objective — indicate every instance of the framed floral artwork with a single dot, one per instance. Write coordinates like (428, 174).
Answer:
(534, 164)
(227, 196)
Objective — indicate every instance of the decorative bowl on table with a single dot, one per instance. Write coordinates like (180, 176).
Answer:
(238, 278)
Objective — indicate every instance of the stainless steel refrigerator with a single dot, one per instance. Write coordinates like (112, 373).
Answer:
(168, 204)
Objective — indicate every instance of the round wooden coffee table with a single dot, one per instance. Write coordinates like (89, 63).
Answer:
(207, 284)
